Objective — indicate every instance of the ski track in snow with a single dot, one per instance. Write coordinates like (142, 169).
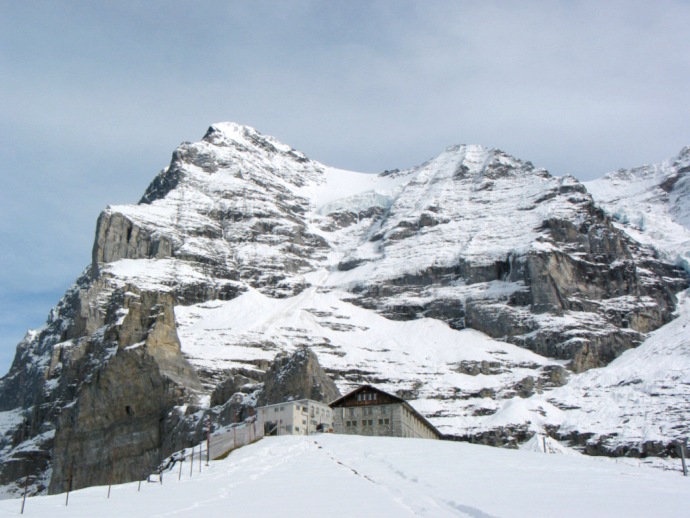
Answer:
(351, 476)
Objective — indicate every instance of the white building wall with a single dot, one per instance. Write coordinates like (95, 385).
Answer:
(298, 417)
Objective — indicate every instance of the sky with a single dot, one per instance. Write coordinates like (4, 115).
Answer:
(95, 96)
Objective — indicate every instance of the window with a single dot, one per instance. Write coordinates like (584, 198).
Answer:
(351, 411)
(275, 409)
(351, 423)
(384, 410)
(369, 411)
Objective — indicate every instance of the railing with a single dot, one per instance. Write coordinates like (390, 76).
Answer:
(235, 436)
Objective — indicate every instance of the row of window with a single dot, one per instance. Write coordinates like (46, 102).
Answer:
(367, 410)
(304, 409)
(367, 422)
(366, 397)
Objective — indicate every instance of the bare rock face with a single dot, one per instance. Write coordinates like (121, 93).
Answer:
(117, 237)
(114, 431)
(149, 321)
(545, 269)
(96, 389)
(233, 384)
(298, 376)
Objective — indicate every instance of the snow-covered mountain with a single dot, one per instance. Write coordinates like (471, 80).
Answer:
(652, 204)
(474, 285)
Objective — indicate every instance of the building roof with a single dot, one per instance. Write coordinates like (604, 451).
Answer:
(392, 400)
(364, 388)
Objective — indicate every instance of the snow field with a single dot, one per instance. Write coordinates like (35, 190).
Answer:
(347, 337)
(353, 476)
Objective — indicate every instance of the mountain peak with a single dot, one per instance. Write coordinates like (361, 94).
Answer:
(684, 154)
(225, 134)
(475, 160)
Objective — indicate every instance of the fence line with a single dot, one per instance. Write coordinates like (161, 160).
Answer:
(236, 436)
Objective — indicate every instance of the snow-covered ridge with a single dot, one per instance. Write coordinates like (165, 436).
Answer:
(652, 204)
(227, 133)
(641, 397)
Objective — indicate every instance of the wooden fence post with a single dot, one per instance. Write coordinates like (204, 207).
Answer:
(191, 463)
(208, 439)
(69, 486)
(112, 470)
(681, 449)
(26, 489)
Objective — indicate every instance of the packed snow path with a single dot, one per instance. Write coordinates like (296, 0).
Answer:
(361, 476)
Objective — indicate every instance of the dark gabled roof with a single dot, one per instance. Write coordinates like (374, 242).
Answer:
(396, 399)
(365, 388)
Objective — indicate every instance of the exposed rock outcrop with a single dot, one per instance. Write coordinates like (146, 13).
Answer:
(297, 376)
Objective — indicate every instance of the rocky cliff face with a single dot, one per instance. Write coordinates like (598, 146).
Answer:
(298, 376)
(464, 283)
(482, 240)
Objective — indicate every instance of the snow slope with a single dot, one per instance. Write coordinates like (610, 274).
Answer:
(642, 396)
(346, 476)
(423, 356)
(460, 205)
(652, 204)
